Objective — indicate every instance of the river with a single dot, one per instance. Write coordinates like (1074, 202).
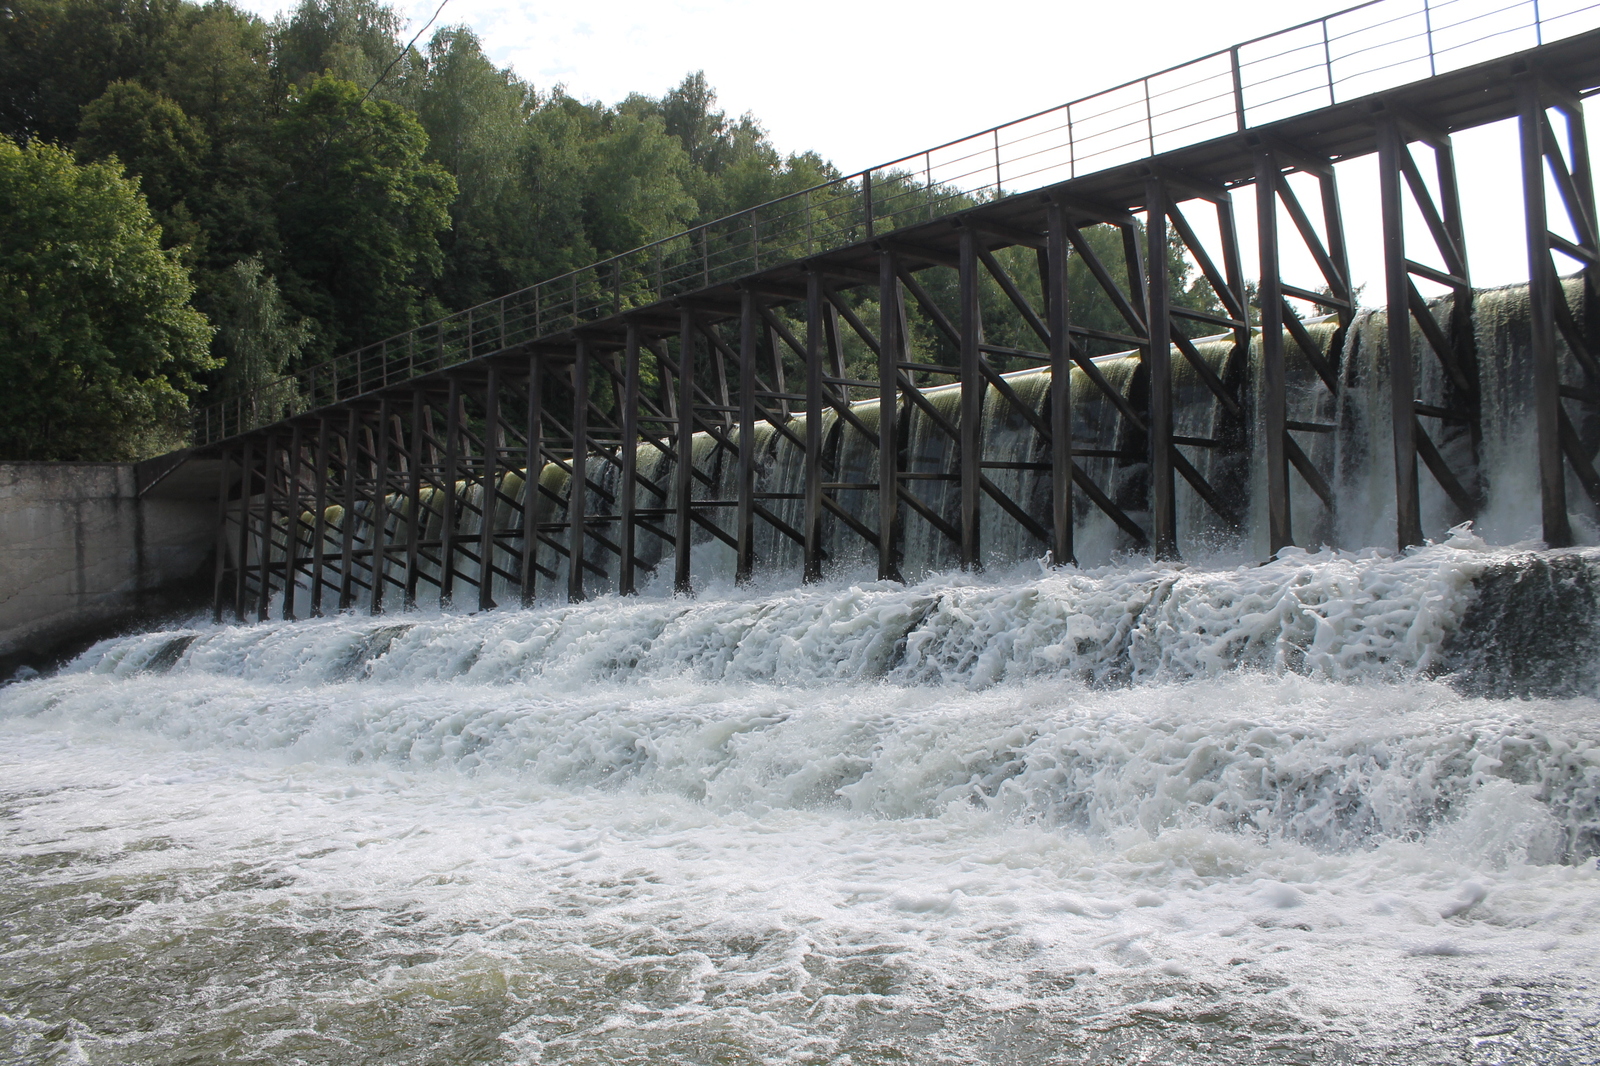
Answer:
(1313, 811)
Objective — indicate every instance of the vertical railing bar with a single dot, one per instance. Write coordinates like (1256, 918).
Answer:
(1072, 146)
(1149, 120)
(866, 201)
(1327, 62)
(1427, 22)
(1238, 91)
(811, 225)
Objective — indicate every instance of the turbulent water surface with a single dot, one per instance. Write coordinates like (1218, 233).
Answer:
(1314, 811)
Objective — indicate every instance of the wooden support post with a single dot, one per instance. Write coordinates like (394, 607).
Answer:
(269, 458)
(489, 501)
(684, 526)
(627, 535)
(452, 467)
(1543, 292)
(893, 349)
(1338, 256)
(379, 503)
(1158, 420)
(347, 543)
(749, 336)
(319, 519)
(972, 390)
(533, 438)
(1058, 308)
(816, 343)
(1274, 401)
(1402, 384)
(578, 486)
(242, 567)
(294, 498)
(414, 511)
(219, 571)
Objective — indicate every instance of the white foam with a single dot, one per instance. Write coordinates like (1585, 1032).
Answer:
(1367, 615)
(769, 821)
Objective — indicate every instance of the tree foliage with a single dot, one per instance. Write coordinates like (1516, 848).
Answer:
(258, 338)
(359, 213)
(99, 347)
(321, 165)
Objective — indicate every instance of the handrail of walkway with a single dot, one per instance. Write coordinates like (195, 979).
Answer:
(1352, 53)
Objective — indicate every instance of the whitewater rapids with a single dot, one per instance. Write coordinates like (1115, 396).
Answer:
(1318, 810)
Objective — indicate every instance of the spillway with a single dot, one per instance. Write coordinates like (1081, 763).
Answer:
(1344, 806)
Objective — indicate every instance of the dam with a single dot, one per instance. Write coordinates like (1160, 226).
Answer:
(937, 371)
(865, 632)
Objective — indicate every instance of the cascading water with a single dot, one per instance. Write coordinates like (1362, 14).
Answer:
(1340, 807)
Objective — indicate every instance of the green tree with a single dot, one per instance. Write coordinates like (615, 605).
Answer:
(258, 338)
(152, 137)
(476, 118)
(360, 215)
(353, 39)
(98, 343)
(57, 55)
(635, 189)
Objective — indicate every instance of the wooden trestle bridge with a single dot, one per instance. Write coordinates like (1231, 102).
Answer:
(552, 375)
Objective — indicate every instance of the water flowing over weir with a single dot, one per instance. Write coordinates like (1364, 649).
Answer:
(1294, 812)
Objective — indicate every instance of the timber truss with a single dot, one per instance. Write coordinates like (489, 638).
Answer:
(665, 418)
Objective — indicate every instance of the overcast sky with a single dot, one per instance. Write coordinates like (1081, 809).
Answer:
(861, 81)
(867, 81)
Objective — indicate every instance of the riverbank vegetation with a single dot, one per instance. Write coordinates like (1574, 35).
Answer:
(323, 181)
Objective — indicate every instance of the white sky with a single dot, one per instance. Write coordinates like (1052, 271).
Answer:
(873, 80)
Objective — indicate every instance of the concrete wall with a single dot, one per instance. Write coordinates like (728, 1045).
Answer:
(82, 554)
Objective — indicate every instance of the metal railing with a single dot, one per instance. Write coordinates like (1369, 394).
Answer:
(1355, 52)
